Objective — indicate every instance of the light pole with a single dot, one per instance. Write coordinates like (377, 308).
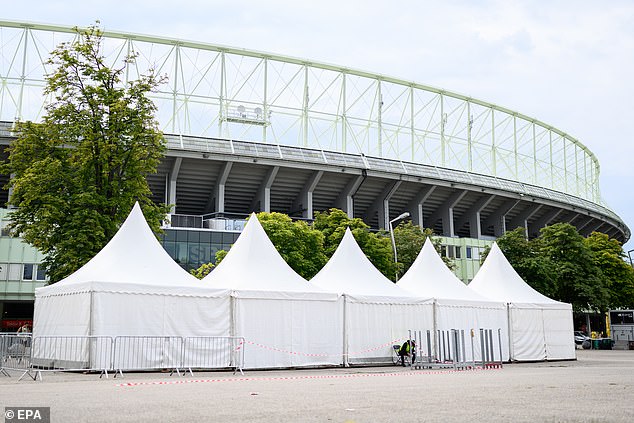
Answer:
(399, 217)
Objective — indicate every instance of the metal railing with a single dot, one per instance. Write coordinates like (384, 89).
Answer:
(34, 355)
(448, 349)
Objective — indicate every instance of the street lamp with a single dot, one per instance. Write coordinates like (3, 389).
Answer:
(399, 217)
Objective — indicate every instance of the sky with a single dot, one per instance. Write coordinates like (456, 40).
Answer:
(568, 63)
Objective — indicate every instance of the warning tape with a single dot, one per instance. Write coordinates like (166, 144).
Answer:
(350, 354)
(289, 378)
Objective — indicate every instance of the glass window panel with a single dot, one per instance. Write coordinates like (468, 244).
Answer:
(27, 272)
(41, 273)
(205, 237)
(170, 235)
(193, 236)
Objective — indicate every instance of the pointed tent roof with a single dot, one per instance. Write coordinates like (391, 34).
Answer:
(430, 276)
(350, 272)
(133, 260)
(497, 280)
(253, 264)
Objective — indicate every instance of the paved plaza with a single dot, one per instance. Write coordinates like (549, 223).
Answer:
(597, 387)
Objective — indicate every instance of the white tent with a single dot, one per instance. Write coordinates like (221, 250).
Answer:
(457, 306)
(286, 322)
(541, 328)
(377, 312)
(132, 287)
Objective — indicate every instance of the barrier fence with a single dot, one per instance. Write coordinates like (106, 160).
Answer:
(34, 355)
(447, 349)
(104, 354)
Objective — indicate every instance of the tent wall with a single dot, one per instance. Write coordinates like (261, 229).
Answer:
(541, 332)
(286, 332)
(62, 315)
(528, 342)
(125, 314)
(559, 334)
(372, 328)
(461, 316)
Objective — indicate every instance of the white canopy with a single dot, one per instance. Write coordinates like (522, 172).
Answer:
(132, 261)
(497, 280)
(110, 295)
(254, 265)
(457, 306)
(541, 328)
(350, 272)
(285, 321)
(430, 276)
(377, 312)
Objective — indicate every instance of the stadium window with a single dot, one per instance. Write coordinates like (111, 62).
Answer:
(443, 251)
(468, 252)
(40, 274)
(27, 272)
(458, 252)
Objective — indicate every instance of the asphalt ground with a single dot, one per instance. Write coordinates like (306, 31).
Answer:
(597, 387)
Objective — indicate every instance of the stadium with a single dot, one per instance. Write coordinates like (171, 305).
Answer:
(253, 131)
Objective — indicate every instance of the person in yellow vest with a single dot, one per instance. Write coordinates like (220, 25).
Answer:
(408, 349)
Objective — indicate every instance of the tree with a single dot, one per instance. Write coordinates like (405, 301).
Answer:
(409, 240)
(77, 174)
(299, 244)
(618, 276)
(203, 270)
(377, 247)
(577, 279)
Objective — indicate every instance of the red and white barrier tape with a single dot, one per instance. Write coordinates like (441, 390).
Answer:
(288, 378)
(350, 354)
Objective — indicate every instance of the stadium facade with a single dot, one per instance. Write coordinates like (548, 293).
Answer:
(252, 131)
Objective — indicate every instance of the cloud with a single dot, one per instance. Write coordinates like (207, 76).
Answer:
(566, 63)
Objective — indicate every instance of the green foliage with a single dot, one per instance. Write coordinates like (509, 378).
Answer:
(298, 243)
(618, 276)
(77, 174)
(203, 270)
(376, 246)
(578, 280)
(590, 273)
(409, 240)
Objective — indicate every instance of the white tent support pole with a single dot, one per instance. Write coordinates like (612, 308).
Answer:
(510, 331)
(232, 333)
(435, 325)
(92, 312)
(232, 313)
(544, 334)
(345, 332)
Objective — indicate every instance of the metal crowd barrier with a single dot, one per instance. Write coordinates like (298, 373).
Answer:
(70, 353)
(447, 349)
(15, 352)
(487, 349)
(34, 355)
(212, 352)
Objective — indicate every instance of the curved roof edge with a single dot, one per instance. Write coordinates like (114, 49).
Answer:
(300, 61)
